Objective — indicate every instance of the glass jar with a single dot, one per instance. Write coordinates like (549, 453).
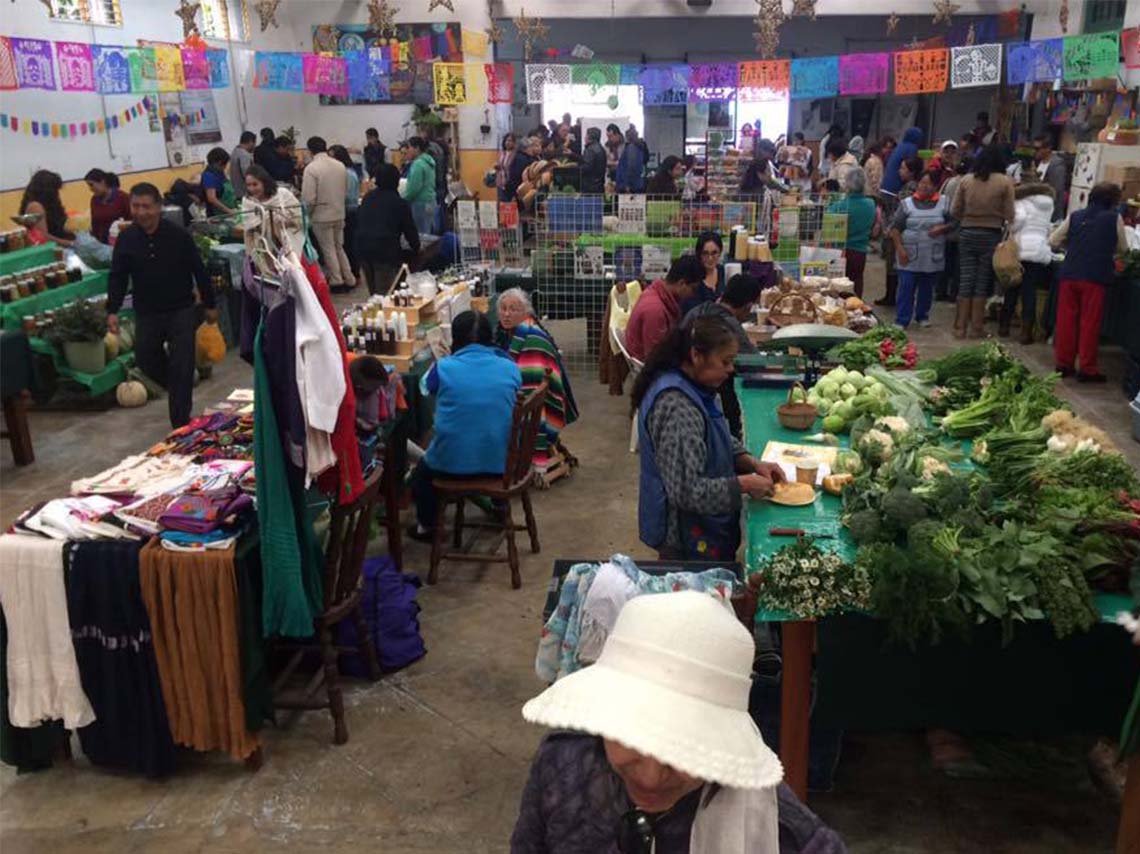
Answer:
(74, 274)
(40, 281)
(24, 288)
(29, 325)
(17, 239)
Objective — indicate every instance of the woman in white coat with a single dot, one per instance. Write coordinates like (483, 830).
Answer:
(1033, 204)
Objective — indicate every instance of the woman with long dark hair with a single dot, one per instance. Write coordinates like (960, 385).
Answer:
(710, 252)
(982, 205)
(41, 196)
(108, 203)
(219, 192)
(503, 167)
(664, 180)
(269, 210)
(351, 202)
(693, 472)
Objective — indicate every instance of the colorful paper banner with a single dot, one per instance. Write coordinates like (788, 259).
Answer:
(112, 69)
(72, 130)
(168, 66)
(764, 80)
(714, 81)
(815, 77)
(449, 82)
(1091, 56)
(7, 65)
(219, 68)
(1130, 47)
(664, 84)
(920, 71)
(195, 68)
(864, 73)
(975, 65)
(324, 75)
(76, 73)
(538, 77)
(144, 69)
(474, 43)
(500, 82)
(34, 66)
(600, 81)
(368, 75)
(278, 72)
(1034, 62)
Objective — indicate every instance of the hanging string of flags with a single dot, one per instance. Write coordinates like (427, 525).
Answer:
(93, 127)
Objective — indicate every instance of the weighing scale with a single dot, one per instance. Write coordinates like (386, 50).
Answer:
(813, 340)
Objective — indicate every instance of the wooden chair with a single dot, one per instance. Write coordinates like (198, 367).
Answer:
(517, 479)
(343, 584)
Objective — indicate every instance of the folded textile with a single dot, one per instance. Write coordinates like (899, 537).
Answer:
(205, 511)
(74, 518)
(613, 586)
(136, 475)
(559, 648)
(192, 602)
(182, 541)
(115, 653)
(43, 678)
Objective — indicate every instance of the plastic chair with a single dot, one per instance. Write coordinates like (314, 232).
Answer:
(635, 365)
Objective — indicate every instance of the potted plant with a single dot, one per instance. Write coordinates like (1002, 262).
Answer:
(79, 331)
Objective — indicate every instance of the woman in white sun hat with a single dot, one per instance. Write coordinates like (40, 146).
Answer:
(661, 754)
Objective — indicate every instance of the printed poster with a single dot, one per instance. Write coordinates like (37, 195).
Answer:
(449, 82)
(488, 213)
(631, 214)
(627, 263)
(589, 262)
(655, 261)
(465, 216)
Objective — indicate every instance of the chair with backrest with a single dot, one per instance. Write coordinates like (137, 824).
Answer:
(635, 365)
(518, 477)
(343, 585)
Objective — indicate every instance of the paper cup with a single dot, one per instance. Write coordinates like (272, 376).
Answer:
(807, 470)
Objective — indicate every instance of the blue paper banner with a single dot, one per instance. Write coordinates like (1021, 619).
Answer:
(1034, 62)
(368, 75)
(278, 72)
(662, 85)
(631, 75)
(219, 68)
(112, 69)
(817, 77)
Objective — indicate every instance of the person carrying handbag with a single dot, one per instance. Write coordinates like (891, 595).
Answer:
(1029, 232)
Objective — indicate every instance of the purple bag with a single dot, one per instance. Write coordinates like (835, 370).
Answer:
(392, 615)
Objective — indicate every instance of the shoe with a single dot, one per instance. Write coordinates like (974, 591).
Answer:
(884, 302)
(421, 535)
(925, 324)
(1064, 372)
(1091, 378)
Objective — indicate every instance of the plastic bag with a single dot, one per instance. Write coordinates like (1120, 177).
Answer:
(209, 343)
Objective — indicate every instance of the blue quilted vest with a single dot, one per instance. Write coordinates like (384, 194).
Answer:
(1091, 246)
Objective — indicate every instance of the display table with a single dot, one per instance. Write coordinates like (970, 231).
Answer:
(29, 256)
(1036, 684)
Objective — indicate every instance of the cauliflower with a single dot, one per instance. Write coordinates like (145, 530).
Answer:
(931, 468)
(876, 446)
(895, 423)
(981, 452)
(1059, 444)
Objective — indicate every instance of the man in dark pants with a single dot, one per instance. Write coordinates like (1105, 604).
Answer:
(160, 262)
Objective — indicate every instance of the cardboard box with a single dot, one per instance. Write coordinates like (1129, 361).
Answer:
(1131, 190)
(1119, 173)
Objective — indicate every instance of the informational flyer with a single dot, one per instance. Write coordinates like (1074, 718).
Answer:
(631, 214)
(655, 261)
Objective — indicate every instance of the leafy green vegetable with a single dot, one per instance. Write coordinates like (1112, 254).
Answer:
(913, 591)
(863, 352)
(1013, 399)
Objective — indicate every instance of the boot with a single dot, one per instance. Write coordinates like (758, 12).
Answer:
(961, 318)
(978, 317)
(1026, 331)
(892, 286)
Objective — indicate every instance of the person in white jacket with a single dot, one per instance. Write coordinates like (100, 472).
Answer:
(1033, 206)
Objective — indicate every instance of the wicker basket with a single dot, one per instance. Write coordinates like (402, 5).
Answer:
(791, 309)
(796, 416)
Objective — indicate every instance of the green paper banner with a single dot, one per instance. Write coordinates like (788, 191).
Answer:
(1091, 56)
(144, 69)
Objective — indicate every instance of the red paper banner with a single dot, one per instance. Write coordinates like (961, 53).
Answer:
(500, 82)
(7, 65)
(762, 80)
(920, 71)
(1130, 47)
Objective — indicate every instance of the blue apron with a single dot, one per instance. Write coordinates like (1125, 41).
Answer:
(703, 536)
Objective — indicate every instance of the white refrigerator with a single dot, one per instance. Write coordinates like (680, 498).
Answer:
(1088, 168)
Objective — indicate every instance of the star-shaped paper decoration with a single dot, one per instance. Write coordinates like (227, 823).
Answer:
(380, 17)
(1063, 16)
(892, 23)
(494, 31)
(446, 4)
(530, 30)
(769, 17)
(803, 8)
(943, 11)
(267, 13)
(188, 12)
(326, 39)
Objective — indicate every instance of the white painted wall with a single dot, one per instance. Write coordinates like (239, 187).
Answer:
(132, 147)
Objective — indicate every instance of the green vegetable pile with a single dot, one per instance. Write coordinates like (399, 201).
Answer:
(842, 396)
(861, 353)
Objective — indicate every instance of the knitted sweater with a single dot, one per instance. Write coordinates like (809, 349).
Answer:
(983, 204)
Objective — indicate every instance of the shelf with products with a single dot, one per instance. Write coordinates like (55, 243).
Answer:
(724, 169)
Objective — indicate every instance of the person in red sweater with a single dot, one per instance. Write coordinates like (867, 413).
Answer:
(658, 310)
(108, 203)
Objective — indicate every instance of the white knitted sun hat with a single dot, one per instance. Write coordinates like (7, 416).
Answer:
(672, 683)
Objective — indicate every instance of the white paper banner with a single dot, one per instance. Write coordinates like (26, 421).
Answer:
(538, 77)
(975, 65)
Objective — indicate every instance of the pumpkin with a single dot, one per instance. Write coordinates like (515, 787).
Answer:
(111, 345)
(130, 394)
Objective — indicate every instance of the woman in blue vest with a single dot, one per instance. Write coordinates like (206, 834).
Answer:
(918, 230)
(1092, 238)
(693, 472)
(475, 389)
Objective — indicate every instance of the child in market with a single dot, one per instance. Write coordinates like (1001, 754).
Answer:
(918, 232)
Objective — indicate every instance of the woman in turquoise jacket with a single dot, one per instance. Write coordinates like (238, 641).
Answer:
(419, 189)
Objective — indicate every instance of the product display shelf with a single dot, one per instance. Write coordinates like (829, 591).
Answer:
(29, 256)
(13, 313)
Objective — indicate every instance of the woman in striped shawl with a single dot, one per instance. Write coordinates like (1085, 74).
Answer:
(534, 351)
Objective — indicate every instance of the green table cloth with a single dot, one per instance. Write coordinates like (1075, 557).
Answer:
(29, 256)
(13, 313)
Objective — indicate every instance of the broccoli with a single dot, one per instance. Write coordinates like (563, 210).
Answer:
(969, 520)
(902, 508)
(923, 533)
(983, 493)
(865, 526)
(945, 493)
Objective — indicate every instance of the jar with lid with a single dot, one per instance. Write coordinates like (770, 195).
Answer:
(74, 274)
(24, 288)
(29, 325)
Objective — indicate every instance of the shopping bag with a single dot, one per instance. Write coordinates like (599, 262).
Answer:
(1007, 263)
(209, 343)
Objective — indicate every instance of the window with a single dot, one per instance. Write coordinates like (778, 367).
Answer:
(105, 12)
(1102, 15)
(227, 20)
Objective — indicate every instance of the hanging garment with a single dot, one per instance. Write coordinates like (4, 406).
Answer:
(113, 647)
(43, 679)
(192, 602)
(348, 482)
(25, 749)
(291, 595)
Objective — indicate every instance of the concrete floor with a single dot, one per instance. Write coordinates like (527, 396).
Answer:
(438, 753)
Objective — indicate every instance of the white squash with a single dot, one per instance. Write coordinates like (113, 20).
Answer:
(130, 394)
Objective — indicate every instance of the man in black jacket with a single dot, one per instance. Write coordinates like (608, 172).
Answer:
(161, 264)
(526, 155)
(594, 163)
(374, 151)
(383, 217)
(264, 151)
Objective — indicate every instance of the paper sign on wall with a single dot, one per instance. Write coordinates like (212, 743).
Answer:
(655, 261)
(631, 214)
(589, 262)
(465, 216)
(488, 214)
